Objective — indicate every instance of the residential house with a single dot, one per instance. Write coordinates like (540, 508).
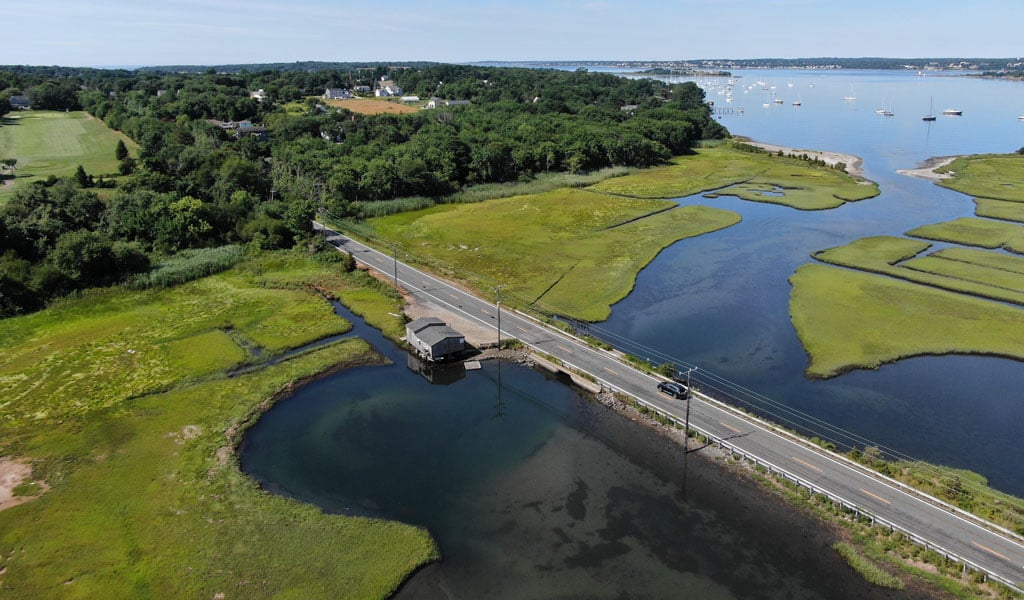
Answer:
(20, 102)
(362, 89)
(259, 95)
(336, 94)
(248, 129)
(387, 88)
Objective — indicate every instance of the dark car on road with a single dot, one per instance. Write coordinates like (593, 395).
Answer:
(672, 388)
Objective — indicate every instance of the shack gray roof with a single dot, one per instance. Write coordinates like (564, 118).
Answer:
(432, 330)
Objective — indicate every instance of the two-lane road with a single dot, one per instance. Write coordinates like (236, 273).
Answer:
(997, 553)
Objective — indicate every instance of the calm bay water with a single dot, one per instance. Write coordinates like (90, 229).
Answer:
(531, 491)
(722, 301)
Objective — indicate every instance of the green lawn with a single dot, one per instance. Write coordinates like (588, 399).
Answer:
(752, 176)
(849, 320)
(571, 251)
(997, 176)
(121, 402)
(971, 231)
(54, 143)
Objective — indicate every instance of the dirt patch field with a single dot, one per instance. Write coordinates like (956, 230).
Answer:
(372, 106)
(12, 474)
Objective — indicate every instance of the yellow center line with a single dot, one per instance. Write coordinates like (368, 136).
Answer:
(876, 497)
(990, 551)
(729, 427)
(564, 348)
(807, 464)
(609, 370)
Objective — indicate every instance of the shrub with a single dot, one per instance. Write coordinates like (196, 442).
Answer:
(187, 266)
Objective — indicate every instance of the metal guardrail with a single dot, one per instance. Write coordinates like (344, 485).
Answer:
(817, 489)
(838, 457)
(799, 481)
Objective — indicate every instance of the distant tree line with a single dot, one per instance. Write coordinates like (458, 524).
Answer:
(197, 183)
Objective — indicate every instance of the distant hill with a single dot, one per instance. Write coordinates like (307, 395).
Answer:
(303, 66)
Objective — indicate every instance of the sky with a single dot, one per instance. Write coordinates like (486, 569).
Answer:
(213, 32)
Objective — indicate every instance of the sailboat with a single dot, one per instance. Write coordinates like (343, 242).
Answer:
(852, 96)
(931, 112)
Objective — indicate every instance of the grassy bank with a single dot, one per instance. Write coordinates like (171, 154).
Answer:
(848, 320)
(974, 272)
(754, 176)
(999, 209)
(54, 143)
(997, 176)
(940, 283)
(571, 251)
(970, 231)
(120, 401)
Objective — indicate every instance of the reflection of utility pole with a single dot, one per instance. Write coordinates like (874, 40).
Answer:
(500, 408)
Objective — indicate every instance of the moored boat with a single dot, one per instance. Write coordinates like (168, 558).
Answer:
(931, 112)
(952, 112)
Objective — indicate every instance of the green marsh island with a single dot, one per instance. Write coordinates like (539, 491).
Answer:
(578, 251)
(881, 299)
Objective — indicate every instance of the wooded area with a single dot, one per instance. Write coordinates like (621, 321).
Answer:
(216, 165)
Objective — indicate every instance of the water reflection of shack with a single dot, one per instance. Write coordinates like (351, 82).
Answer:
(436, 373)
(433, 339)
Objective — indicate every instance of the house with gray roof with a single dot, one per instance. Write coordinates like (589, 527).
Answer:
(433, 339)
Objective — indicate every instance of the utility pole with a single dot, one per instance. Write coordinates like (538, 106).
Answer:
(497, 291)
(686, 425)
(318, 188)
(394, 246)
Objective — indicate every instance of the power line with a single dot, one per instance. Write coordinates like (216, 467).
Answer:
(711, 383)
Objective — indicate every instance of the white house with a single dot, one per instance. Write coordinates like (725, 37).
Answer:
(336, 94)
(387, 88)
(259, 95)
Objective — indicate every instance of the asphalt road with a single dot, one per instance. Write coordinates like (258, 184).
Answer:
(963, 537)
